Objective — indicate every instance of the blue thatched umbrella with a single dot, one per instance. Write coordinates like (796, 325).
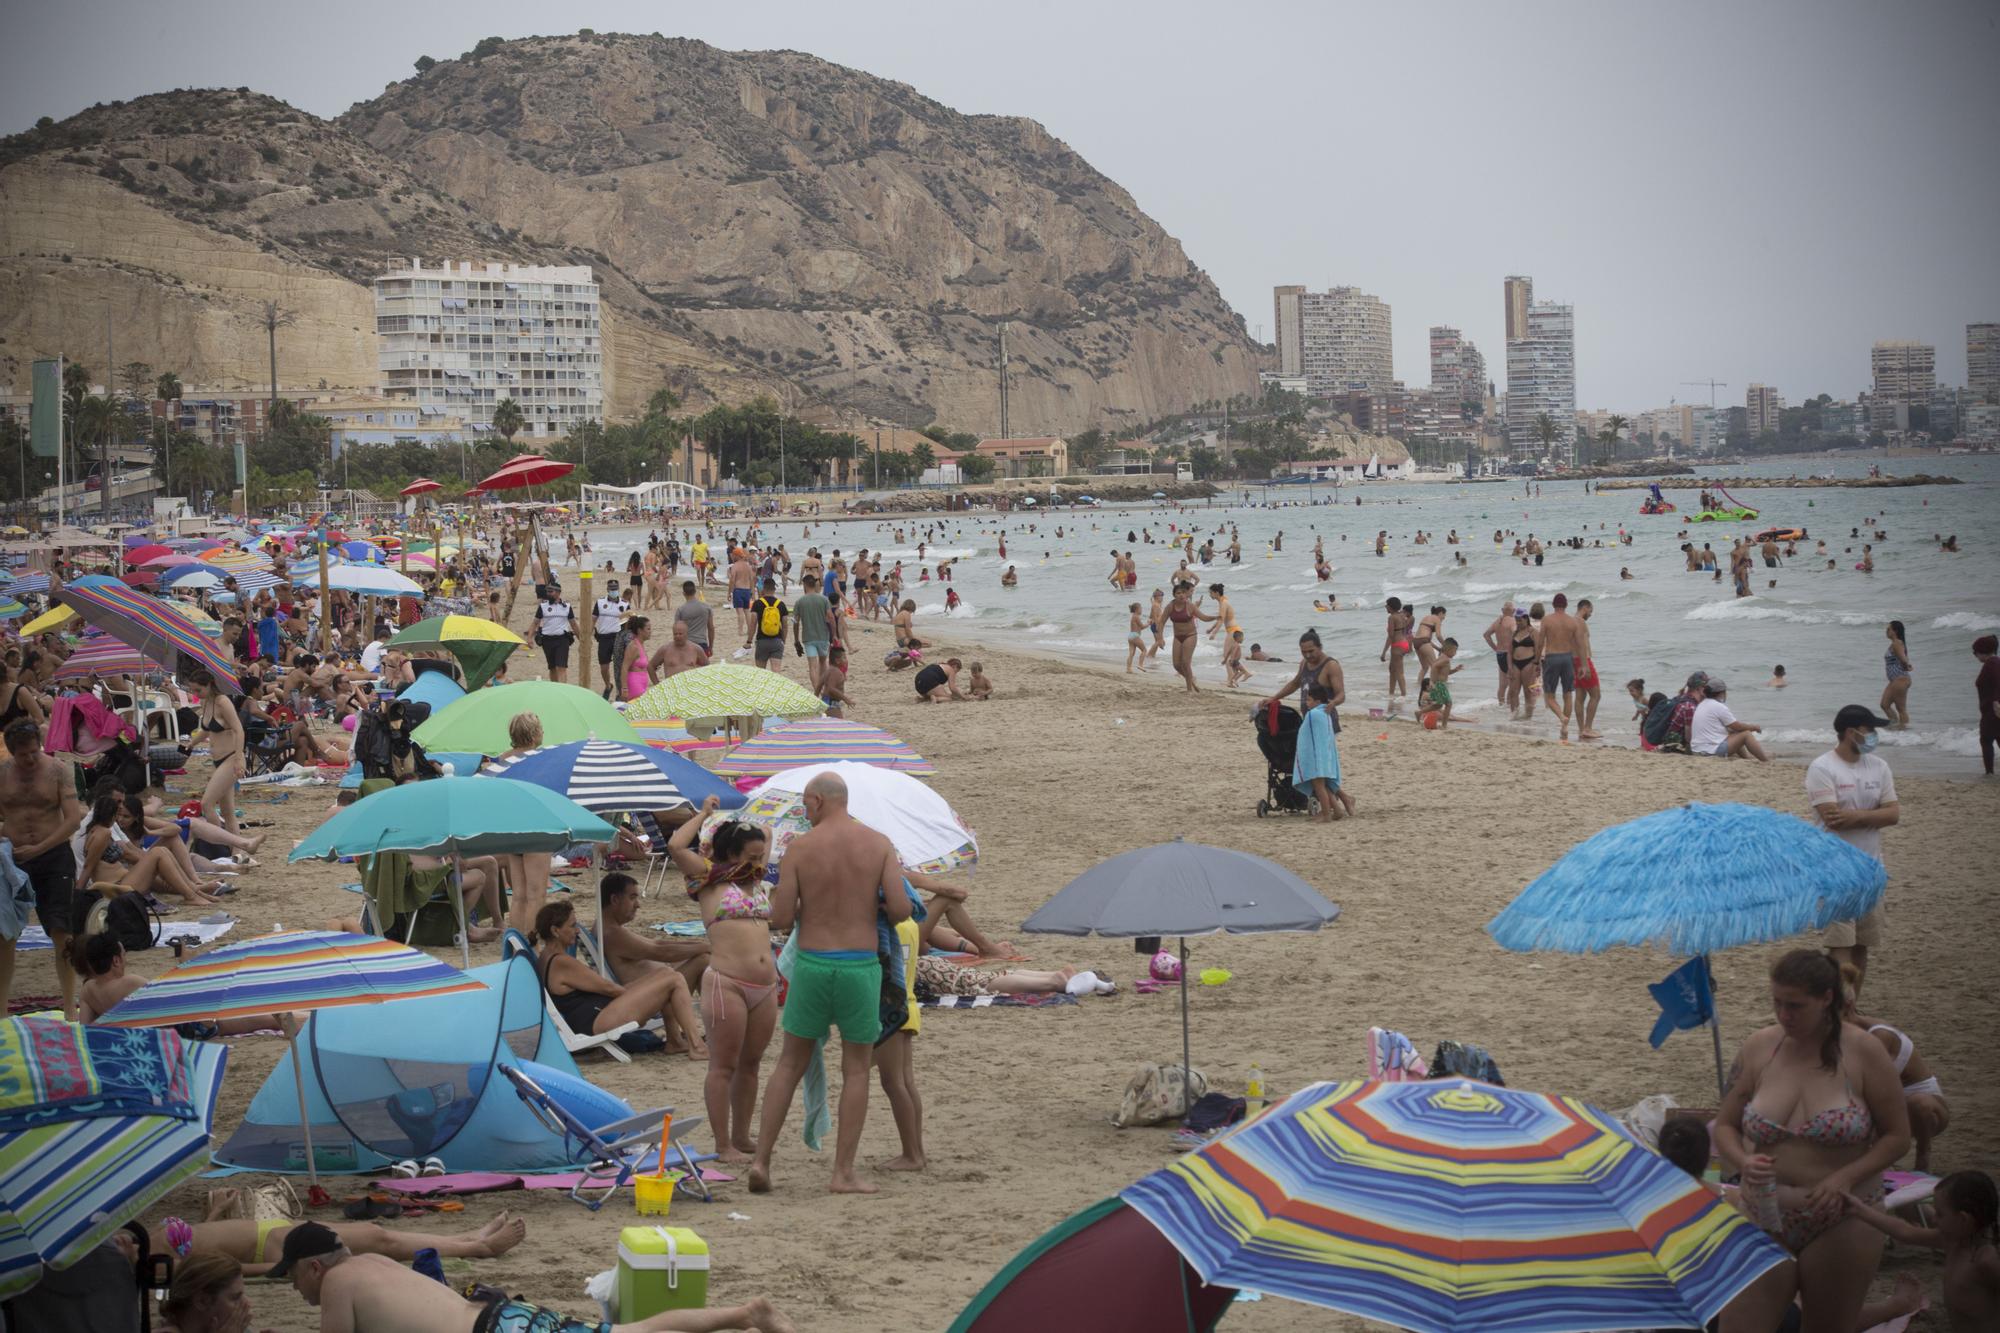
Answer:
(1696, 879)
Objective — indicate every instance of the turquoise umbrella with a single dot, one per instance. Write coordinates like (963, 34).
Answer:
(455, 817)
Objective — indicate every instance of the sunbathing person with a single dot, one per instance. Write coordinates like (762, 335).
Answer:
(372, 1293)
(256, 1244)
(946, 904)
(593, 1003)
(631, 955)
(106, 854)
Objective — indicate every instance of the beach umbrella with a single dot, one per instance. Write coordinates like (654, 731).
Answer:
(157, 629)
(368, 580)
(140, 554)
(366, 551)
(1696, 879)
(927, 833)
(191, 578)
(421, 485)
(526, 470)
(478, 722)
(454, 816)
(822, 740)
(609, 776)
(289, 972)
(171, 560)
(102, 1125)
(234, 560)
(9, 608)
(1182, 888)
(1451, 1205)
(479, 645)
(36, 581)
(724, 690)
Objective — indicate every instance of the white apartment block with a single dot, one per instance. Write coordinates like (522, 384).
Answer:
(1541, 381)
(1285, 310)
(1457, 368)
(459, 337)
(1905, 375)
(1343, 337)
(1764, 406)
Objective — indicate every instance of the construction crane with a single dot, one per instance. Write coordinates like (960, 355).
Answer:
(1713, 385)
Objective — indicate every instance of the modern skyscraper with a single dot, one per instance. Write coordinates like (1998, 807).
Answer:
(1520, 294)
(1982, 362)
(1344, 340)
(1541, 376)
(1905, 376)
(1457, 368)
(458, 338)
(1765, 407)
(1289, 335)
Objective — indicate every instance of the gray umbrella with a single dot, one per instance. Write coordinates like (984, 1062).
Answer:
(1182, 888)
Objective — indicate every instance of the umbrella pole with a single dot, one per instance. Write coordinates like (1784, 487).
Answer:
(305, 1114)
(458, 905)
(1187, 1071)
(1715, 1029)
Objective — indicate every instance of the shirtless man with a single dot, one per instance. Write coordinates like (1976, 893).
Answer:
(1588, 686)
(372, 1293)
(39, 809)
(1499, 635)
(626, 953)
(831, 882)
(742, 580)
(678, 654)
(1562, 650)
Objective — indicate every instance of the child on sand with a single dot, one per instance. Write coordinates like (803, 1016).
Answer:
(1234, 672)
(1438, 696)
(981, 686)
(1135, 644)
(1968, 1231)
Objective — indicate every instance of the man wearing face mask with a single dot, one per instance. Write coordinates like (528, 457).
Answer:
(1854, 796)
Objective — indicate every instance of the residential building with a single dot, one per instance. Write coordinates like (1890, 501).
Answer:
(1541, 378)
(1520, 294)
(367, 421)
(223, 418)
(1905, 374)
(1982, 425)
(1763, 407)
(1982, 362)
(459, 337)
(1457, 368)
(1285, 303)
(1041, 456)
(1343, 336)
(1271, 379)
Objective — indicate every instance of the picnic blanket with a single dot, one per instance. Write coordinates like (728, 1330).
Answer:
(195, 932)
(997, 1001)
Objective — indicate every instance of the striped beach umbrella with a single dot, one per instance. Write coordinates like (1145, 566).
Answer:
(1449, 1206)
(157, 629)
(34, 581)
(822, 740)
(95, 1127)
(723, 690)
(609, 776)
(11, 609)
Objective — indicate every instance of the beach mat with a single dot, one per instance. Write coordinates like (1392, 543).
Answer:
(997, 1001)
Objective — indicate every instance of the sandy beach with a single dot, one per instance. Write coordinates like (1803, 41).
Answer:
(1067, 765)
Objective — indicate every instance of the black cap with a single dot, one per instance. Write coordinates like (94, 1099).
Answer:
(306, 1240)
(1856, 715)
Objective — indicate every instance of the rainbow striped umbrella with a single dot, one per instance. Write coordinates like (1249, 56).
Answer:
(822, 740)
(95, 1127)
(1453, 1205)
(156, 629)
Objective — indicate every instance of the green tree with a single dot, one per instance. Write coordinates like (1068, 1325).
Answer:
(425, 64)
(975, 468)
(104, 420)
(925, 457)
(1087, 449)
(1545, 431)
(507, 419)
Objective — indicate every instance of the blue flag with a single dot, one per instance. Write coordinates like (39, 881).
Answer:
(1685, 998)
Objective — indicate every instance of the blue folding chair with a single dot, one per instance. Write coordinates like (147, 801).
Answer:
(610, 1154)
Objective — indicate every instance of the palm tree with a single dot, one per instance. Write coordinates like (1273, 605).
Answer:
(1608, 437)
(1545, 431)
(168, 391)
(105, 419)
(507, 419)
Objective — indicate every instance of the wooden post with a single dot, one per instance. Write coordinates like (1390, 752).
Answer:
(325, 602)
(586, 652)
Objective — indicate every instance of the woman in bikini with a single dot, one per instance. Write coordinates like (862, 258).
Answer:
(225, 746)
(1156, 620)
(1524, 655)
(1181, 614)
(591, 1002)
(1816, 1112)
(1395, 647)
(1896, 666)
(634, 673)
(107, 854)
(739, 989)
(225, 1231)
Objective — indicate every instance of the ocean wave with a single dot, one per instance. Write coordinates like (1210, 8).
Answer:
(1525, 586)
(931, 553)
(1973, 620)
(964, 611)
(1751, 609)
(1944, 740)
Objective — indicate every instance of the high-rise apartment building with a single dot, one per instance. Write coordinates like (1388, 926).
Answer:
(1765, 407)
(1982, 362)
(1905, 375)
(1520, 294)
(1541, 377)
(458, 338)
(1343, 337)
(1285, 310)
(1457, 368)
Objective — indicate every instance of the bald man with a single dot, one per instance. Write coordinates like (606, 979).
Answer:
(832, 881)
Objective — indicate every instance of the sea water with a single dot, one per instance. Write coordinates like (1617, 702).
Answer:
(1825, 627)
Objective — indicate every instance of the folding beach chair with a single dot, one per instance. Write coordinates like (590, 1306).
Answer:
(513, 942)
(611, 1154)
(658, 864)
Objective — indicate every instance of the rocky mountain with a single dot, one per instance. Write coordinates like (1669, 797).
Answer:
(760, 222)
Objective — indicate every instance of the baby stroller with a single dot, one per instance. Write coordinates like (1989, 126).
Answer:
(1278, 737)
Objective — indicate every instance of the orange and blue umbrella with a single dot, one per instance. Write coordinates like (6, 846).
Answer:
(1450, 1206)
(155, 629)
(822, 740)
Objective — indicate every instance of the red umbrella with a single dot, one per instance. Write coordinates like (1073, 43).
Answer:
(141, 578)
(526, 470)
(422, 484)
(139, 555)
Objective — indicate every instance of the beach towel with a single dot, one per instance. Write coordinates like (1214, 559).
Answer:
(1392, 1057)
(996, 1001)
(819, 1117)
(17, 896)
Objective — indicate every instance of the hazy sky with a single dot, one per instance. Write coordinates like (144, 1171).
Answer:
(1750, 191)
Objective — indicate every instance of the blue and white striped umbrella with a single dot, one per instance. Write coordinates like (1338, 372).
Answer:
(96, 1125)
(606, 776)
(34, 582)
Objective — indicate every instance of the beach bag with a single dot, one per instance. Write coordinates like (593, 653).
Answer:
(275, 1202)
(771, 620)
(127, 921)
(1456, 1059)
(1658, 718)
(1214, 1111)
(1157, 1094)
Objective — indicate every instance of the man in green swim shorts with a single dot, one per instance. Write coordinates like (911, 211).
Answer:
(832, 881)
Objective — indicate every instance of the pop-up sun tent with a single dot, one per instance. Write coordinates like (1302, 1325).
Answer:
(414, 1079)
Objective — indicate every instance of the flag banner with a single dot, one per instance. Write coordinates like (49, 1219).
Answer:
(1686, 999)
(45, 416)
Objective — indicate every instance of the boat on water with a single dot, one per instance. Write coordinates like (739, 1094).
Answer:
(1656, 503)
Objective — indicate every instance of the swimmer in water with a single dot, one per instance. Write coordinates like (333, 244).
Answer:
(1777, 681)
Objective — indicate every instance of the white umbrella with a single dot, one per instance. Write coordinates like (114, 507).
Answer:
(369, 580)
(926, 831)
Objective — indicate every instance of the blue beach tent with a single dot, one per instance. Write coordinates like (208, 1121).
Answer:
(413, 1079)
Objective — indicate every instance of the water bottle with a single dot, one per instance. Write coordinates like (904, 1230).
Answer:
(1761, 1197)
(1254, 1088)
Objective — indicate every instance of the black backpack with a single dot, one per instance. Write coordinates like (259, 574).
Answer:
(127, 921)
(1658, 717)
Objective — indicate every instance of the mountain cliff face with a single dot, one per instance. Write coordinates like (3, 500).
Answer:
(761, 222)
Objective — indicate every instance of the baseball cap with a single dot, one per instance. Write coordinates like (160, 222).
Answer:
(307, 1240)
(1716, 685)
(1561, 600)
(1857, 715)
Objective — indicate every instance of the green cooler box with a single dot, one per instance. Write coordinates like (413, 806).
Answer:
(660, 1268)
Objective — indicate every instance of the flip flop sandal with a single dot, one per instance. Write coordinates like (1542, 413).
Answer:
(432, 1166)
(407, 1169)
(368, 1209)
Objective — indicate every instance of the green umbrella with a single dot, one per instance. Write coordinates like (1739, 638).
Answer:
(724, 690)
(478, 722)
(479, 645)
